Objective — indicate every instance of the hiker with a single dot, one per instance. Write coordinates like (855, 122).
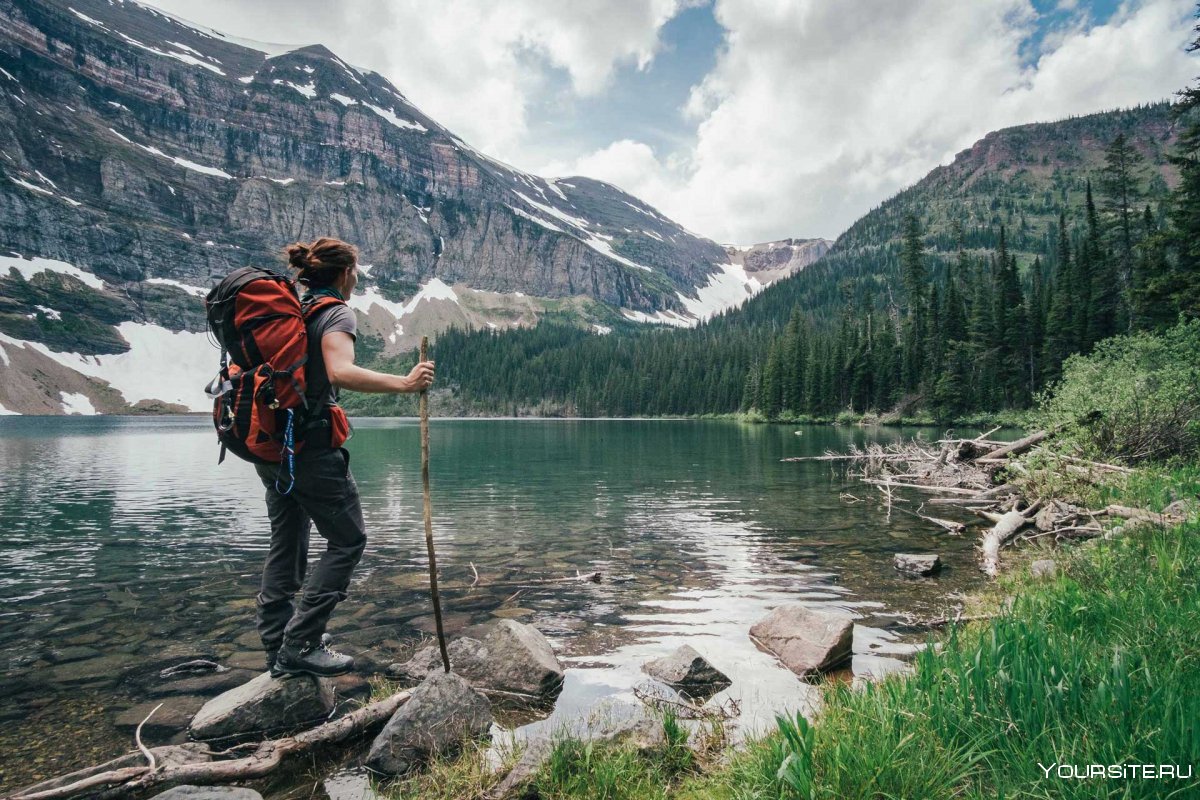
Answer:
(323, 491)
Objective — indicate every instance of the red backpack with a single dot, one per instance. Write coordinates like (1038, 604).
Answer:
(259, 408)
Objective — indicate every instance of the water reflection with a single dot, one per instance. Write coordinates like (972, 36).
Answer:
(127, 547)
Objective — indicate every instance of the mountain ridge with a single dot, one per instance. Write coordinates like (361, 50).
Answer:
(156, 156)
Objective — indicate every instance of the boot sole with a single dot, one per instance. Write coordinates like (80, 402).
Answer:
(281, 672)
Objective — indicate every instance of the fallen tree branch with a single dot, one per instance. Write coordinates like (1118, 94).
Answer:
(1007, 526)
(1141, 514)
(266, 758)
(1014, 448)
(923, 487)
(137, 739)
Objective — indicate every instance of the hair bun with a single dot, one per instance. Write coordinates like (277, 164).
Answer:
(298, 256)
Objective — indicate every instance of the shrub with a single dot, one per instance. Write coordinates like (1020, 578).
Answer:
(1135, 397)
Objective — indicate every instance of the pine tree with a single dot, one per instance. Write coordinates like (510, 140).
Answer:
(1060, 324)
(915, 279)
(1120, 186)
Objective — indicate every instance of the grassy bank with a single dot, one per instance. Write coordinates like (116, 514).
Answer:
(1095, 666)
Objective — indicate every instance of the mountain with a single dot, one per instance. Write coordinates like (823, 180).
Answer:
(143, 157)
(833, 332)
(1019, 178)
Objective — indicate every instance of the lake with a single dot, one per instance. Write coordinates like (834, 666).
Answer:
(127, 549)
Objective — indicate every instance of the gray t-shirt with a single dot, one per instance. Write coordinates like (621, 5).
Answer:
(333, 318)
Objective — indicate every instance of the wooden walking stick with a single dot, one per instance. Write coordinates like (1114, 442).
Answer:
(433, 583)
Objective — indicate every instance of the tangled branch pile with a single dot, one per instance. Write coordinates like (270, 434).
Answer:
(1005, 483)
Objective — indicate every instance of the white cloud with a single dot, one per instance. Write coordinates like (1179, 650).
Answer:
(818, 111)
(815, 112)
(473, 65)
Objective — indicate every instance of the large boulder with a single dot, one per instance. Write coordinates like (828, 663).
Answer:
(443, 712)
(508, 658)
(687, 671)
(264, 704)
(806, 640)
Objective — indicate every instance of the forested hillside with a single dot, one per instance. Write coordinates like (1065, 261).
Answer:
(962, 293)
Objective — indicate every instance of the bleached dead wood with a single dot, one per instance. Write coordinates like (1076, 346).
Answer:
(1015, 448)
(267, 756)
(1007, 526)
(1125, 512)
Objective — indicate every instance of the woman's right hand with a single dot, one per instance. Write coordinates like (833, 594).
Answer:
(421, 377)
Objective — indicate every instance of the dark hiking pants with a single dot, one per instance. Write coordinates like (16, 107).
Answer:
(324, 494)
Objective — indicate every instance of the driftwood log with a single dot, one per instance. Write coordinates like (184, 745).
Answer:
(132, 781)
(1006, 527)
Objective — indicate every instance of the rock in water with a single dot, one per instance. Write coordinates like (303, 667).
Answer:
(264, 704)
(208, 793)
(918, 563)
(806, 640)
(688, 671)
(509, 657)
(443, 712)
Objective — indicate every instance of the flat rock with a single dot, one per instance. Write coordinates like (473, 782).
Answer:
(264, 704)
(1043, 568)
(917, 563)
(443, 712)
(688, 671)
(209, 793)
(174, 716)
(104, 670)
(509, 657)
(806, 640)
(209, 684)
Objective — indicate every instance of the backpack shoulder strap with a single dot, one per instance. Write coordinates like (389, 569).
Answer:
(314, 305)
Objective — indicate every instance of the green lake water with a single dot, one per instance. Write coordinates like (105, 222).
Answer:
(126, 549)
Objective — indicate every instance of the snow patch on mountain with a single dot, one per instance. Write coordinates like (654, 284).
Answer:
(726, 289)
(537, 220)
(77, 404)
(198, 291)
(659, 318)
(309, 89)
(403, 124)
(28, 267)
(160, 364)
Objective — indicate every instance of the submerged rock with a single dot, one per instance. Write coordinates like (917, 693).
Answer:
(509, 657)
(687, 671)
(443, 712)
(208, 684)
(174, 716)
(187, 792)
(918, 563)
(264, 704)
(806, 640)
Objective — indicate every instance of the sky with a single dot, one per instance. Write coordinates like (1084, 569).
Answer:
(744, 120)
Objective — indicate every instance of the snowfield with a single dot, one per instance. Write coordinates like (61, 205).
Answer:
(169, 366)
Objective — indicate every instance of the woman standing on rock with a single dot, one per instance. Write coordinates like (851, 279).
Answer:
(323, 492)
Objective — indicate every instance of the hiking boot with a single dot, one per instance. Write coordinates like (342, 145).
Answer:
(300, 658)
(272, 655)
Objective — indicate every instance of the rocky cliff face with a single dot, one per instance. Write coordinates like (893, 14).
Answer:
(144, 157)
